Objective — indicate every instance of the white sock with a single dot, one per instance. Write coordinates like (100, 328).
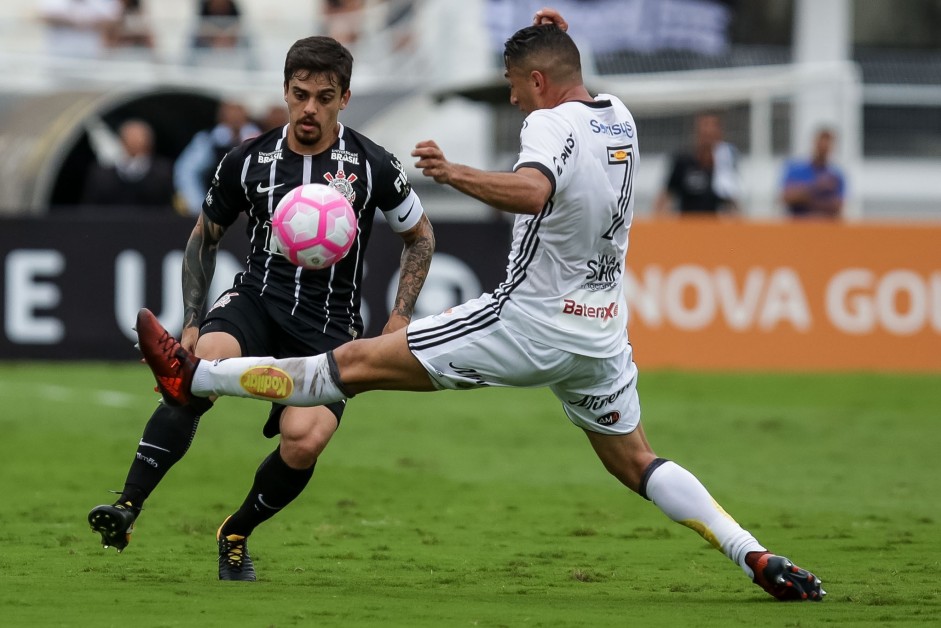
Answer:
(685, 500)
(291, 381)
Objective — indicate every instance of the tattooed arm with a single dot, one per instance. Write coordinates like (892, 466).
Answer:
(415, 262)
(199, 265)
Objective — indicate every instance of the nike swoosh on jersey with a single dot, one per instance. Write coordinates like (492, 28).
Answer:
(264, 190)
(410, 208)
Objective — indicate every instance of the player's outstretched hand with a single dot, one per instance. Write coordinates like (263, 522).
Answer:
(431, 161)
(550, 16)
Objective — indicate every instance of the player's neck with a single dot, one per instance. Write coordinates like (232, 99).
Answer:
(573, 93)
(325, 142)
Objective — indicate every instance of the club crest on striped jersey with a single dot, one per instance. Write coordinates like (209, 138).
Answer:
(342, 184)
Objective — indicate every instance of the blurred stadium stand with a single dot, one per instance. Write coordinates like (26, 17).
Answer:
(431, 69)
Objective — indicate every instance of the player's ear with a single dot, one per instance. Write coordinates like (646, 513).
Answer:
(538, 79)
(285, 91)
(345, 99)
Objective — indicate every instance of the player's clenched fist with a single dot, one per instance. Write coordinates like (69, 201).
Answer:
(550, 16)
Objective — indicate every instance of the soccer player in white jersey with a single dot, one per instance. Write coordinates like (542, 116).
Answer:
(558, 320)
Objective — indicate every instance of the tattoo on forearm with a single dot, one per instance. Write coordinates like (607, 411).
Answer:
(415, 262)
(199, 265)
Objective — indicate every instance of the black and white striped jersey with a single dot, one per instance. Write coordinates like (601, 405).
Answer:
(254, 176)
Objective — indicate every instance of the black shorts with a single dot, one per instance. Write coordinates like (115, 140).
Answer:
(262, 329)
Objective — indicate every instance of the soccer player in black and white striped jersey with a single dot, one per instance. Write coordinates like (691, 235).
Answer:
(274, 307)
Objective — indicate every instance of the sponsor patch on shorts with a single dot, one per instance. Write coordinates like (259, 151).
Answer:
(609, 419)
(267, 381)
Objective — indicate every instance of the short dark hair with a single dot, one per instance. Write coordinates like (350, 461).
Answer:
(558, 52)
(319, 55)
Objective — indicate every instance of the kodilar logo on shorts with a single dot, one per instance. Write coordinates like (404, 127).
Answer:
(267, 381)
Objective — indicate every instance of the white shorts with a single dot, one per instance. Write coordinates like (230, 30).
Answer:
(469, 347)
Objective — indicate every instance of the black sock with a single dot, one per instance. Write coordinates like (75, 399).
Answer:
(166, 438)
(275, 486)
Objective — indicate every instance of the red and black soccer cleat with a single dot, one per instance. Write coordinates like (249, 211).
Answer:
(783, 579)
(172, 365)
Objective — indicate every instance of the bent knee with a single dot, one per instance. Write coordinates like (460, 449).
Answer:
(355, 359)
(304, 436)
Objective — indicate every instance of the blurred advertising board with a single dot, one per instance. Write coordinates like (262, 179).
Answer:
(723, 295)
(789, 296)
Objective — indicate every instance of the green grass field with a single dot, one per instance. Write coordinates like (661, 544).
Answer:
(483, 508)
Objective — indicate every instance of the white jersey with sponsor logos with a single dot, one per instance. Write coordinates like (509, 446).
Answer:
(566, 265)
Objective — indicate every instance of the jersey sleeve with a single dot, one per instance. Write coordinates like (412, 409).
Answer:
(548, 144)
(226, 198)
(394, 195)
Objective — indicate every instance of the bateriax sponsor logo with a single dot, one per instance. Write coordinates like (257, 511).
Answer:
(603, 312)
(609, 419)
(267, 381)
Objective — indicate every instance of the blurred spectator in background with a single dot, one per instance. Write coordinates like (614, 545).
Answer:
(220, 25)
(139, 178)
(194, 168)
(640, 26)
(703, 181)
(400, 22)
(132, 29)
(78, 28)
(814, 188)
(342, 19)
(276, 115)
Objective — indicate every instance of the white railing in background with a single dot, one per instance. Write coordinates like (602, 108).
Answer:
(445, 44)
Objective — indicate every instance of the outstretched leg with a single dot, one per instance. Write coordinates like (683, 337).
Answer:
(685, 500)
(383, 362)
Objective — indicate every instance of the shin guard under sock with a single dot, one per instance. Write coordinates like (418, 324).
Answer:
(166, 438)
(683, 498)
(276, 485)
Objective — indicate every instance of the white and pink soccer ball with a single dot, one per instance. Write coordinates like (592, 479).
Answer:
(313, 226)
